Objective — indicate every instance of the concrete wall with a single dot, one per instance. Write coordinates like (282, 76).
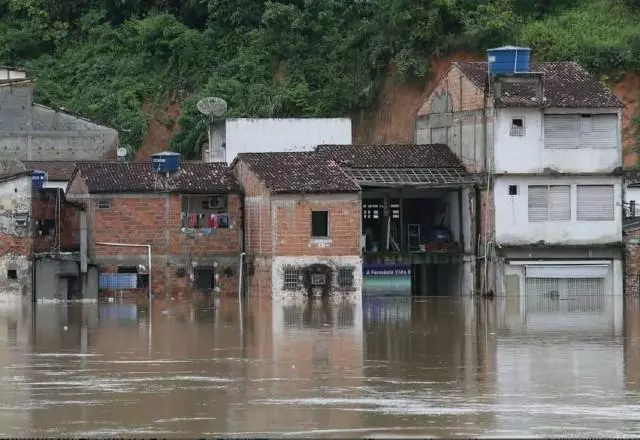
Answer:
(15, 240)
(52, 284)
(269, 135)
(30, 131)
(513, 226)
(454, 115)
(527, 154)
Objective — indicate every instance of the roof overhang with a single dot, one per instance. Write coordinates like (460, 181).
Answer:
(418, 178)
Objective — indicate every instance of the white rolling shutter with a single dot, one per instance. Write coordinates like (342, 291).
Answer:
(568, 271)
(595, 202)
(600, 131)
(559, 202)
(561, 131)
(538, 197)
(549, 203)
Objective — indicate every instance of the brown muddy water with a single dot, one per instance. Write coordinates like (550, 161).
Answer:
(433, 367)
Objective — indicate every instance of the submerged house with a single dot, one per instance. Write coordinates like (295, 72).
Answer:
(302, 224)
(418, 217)
(372, 215)
(546, 138)
(188, 213)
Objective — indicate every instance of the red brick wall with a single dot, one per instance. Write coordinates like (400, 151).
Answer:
(43, 209)
(632, 263)
(155, 219)
(13, 244)
(257, 210)
(293, 225)
(464, 94)
(487, 215)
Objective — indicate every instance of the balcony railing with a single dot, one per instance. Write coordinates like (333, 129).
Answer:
(631, 212)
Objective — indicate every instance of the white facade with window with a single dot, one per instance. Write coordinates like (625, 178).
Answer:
(561, 210)
(564, 140)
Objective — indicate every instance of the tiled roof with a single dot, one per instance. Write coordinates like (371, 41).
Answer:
(566, 84)
(57, 170)
(392, 156)
(298, 172)
(119, 177)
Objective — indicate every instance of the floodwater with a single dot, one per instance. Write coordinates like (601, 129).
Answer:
(429, 367)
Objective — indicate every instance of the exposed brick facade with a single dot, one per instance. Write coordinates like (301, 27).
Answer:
(463, 93)
(632, 262)
(155, 218)
(279, 225)
(44, 208)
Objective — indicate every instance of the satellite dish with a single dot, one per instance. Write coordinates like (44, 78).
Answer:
(121, 152)
(212, 106)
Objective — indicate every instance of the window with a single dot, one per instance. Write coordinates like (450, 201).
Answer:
(104, 204)
(581, 131)
(517, 127)
(320, 224)
(142, 279)
(318, 279)
(595, 202)
(549, 203)
(291, 278)
(513, 190)
(345, 277)
(205, 277)
(21, 218)
(206, 211)
(12, 274)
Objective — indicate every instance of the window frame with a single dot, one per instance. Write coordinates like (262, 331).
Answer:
(104, 204)
(327, 228)
(515, 131)
(611, 214)
(548, 204)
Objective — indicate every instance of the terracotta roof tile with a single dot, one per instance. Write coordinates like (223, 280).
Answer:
(57, 170)
(193, 177)
(566, 84)
(392, 156)
(298, 172)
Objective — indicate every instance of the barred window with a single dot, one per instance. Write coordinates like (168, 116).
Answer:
(291, 278)
(345, 277)
(517, 127)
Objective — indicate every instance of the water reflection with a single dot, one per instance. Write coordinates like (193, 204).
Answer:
(431, 367)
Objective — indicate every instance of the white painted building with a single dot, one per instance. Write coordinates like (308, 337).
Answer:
(252, 135)
(549, 142)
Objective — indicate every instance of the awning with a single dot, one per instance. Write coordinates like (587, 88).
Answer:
(414, 177)
(567, 271)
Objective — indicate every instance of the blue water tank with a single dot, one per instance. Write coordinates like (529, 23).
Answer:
(509, 59)
(166, 162)
(38, 178)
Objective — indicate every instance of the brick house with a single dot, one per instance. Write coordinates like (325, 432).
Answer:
(191, 217)
(547, 140)
(16, 240)
(303, 223)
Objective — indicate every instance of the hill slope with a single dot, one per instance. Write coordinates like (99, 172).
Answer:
(141, 65)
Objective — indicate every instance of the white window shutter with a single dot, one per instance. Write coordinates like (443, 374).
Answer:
(561, 131)
(537, 201)
(595, 202)
(559, 202)
(600, 131)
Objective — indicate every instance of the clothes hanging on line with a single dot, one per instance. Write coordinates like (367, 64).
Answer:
(192, 221)
(213, 221)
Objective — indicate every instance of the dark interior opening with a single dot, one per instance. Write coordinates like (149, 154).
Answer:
(12, 274)
(142, 280)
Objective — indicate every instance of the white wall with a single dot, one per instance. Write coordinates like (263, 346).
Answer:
(526, 154)
(279, 263)
(512, 218)
(276, 135)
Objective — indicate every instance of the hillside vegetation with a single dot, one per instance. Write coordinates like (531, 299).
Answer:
(105, 58)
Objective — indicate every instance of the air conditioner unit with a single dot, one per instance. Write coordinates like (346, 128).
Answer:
(21, 218)
(217, 202)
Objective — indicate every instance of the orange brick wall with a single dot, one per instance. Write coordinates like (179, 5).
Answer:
(464, 94)
(155, 219)
(44, 208)
(293, 225)
(257, 207)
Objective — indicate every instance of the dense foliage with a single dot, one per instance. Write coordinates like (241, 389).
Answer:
(105, 58)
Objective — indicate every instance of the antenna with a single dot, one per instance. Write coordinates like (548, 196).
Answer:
(212, 106)
(121, 153)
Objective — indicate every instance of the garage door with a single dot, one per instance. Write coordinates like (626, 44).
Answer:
(548, 287)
